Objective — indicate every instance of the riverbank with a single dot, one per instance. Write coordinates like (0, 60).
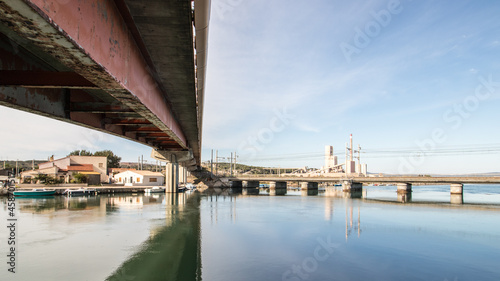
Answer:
(108, 189)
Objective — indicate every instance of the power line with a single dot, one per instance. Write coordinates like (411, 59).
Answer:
(477, 149)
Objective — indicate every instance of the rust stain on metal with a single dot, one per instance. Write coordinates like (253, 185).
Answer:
(79, 45)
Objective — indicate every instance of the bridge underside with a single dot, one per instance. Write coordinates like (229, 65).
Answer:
(127, 68)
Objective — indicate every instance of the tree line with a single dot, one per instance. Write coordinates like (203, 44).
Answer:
(113, 160)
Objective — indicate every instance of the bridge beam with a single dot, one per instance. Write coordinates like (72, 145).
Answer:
(91, 44)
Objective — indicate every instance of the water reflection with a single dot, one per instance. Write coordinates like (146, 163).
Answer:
(159, 237)
(310, 192)
(404, 197)
(50, 204)
(456, 198)
(251, 191)
(173, 252)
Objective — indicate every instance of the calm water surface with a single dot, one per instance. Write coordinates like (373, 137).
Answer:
(259, 237)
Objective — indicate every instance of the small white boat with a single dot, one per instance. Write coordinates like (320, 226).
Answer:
(80, 191)
(155, 189)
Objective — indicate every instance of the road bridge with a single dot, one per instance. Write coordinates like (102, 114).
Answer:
(134, 69)
(278, 185)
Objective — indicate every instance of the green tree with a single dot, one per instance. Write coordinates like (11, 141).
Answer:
(113, 160)
(80, 178)
(80, 153)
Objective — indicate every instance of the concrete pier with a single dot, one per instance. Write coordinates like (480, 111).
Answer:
(349, 186)
(308, 186)
(251, 184)
(277, 188)
(236, 184)
(404, 187)
(277, 185)
(456, 188)
(404, 197)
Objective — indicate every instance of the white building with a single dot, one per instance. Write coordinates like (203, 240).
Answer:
(139, 178)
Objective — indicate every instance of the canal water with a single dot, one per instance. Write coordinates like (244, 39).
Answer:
(328, 236)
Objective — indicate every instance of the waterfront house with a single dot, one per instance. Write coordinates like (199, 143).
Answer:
(139, 178)
(94, 167)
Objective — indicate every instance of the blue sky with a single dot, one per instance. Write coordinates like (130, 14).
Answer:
(282, 84)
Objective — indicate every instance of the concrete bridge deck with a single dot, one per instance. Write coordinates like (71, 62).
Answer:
(133, 69)
(354, 185)
(394, 180)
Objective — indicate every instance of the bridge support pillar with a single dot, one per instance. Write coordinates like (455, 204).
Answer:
(308, 186)
(250, 184)
(182, 174)
(456, 193)
(349, 186)
(250, 187)
(404, 187)
(172, 175)
(236, 184)
(456, 188)
(277, 188)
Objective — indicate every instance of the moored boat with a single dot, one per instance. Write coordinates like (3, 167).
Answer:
(155, 189)
(35, 192)
(80, 191)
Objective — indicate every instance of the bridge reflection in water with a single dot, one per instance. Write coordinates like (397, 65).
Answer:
(244, 232)
(172, 252)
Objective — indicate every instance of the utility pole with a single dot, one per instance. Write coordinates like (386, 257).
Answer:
(231, 164)
(235, 163)
(33, 164)
(142, 162)
(216, 161)
(212, 162)
(16, 167)
(359, 154)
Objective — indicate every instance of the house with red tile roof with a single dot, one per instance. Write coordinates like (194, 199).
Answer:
(94, 166)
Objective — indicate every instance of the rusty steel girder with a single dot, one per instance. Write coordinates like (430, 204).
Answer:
(93, 49)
